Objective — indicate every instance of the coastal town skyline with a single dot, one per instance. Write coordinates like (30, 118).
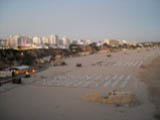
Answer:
(95, 20)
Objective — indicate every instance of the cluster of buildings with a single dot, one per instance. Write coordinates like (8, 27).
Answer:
(26, 42)
(53, 41)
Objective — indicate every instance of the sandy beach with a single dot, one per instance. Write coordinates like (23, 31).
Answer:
(55, 94)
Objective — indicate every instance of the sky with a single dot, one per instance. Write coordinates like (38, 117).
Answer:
(132, 20)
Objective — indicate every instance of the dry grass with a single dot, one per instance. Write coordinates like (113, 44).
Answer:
(112, 98)
(93, 97)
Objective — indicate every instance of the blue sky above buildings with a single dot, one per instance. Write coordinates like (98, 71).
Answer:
(133, 20)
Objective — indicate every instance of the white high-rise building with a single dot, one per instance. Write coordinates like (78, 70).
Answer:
(3, 43)
(44, 40)
(56, 39)
(53, 39)
(50, 39)
(24, 42)
(64, 41)
(36, 40)
(13, 41)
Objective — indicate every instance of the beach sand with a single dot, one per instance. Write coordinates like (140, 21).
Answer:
(55, 94)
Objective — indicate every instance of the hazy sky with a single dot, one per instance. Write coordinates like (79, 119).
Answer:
(133, 20)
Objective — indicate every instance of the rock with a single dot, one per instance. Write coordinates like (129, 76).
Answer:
(79, 65)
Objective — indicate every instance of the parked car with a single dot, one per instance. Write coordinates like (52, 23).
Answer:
(5, 72)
